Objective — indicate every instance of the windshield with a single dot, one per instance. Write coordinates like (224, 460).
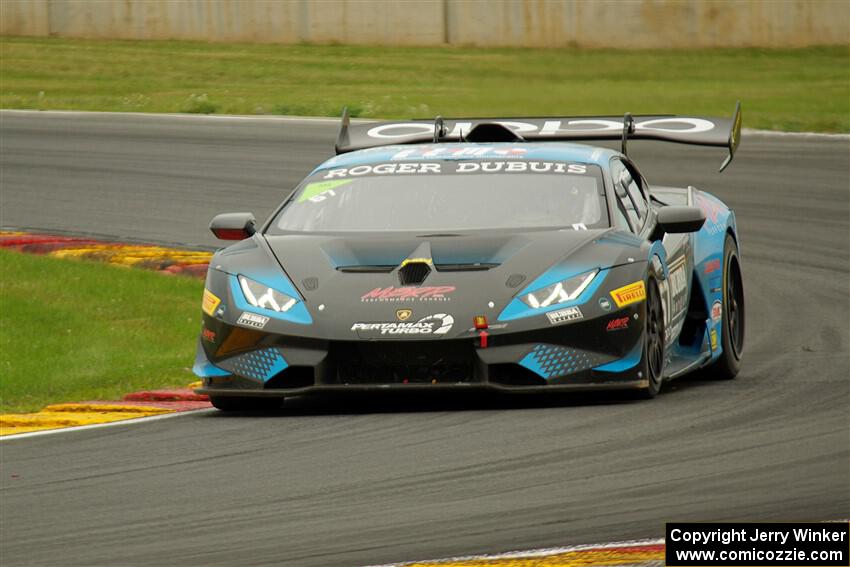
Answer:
(447, 196)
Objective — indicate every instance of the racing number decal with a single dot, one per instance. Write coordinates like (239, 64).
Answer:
(674, 291)
(677, 289)
(319, 191)
(323, 196)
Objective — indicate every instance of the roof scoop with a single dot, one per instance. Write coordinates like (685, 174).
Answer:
(416, 267)
(492, 132)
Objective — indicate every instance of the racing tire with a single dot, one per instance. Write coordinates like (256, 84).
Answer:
(732, 326)
(653, 345)
(245, 403)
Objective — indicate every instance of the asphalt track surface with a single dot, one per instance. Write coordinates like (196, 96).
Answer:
(356, 481)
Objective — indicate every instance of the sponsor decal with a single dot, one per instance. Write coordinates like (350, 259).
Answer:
(424, 168)
(711, 266)
(617, 324)
(208, 334)
(604, 304)
(709, 207)
(712, 210)
(716, 311)
(628, 294)
(252, 320)
(403, 314)
(409, 293)
(519, 167)
(210, 302)
(713, 335)
(449, 153)
(563, 315)
(438, 324)
(554, 127)
(383, 169)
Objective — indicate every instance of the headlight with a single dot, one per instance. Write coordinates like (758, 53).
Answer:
(260, 295)
(563, 291)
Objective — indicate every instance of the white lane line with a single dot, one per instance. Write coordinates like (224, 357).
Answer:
(179, 116)
(530, 553)
(14, 436)
(331, 120)
(778, 134)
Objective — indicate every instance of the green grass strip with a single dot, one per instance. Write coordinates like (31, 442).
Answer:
(781, 89)
(74, 330)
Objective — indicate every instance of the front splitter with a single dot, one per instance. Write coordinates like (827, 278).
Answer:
(456, 387)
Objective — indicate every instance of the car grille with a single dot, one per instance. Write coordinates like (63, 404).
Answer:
(402, 362)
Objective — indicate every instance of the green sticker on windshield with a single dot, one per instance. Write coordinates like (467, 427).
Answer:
(315, 189)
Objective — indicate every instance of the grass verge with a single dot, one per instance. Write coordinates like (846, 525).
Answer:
(781, 89)
(74, 330)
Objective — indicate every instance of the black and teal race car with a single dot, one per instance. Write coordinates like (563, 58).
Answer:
(477, 253)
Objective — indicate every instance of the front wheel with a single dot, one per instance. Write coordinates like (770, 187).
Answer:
(728, 364)
(245, 403)
(653, 346)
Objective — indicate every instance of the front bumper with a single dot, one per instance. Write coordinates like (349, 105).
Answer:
(585, 355)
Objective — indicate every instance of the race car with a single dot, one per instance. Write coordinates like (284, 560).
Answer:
(464, 254)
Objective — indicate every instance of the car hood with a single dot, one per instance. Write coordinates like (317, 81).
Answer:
(356, 278)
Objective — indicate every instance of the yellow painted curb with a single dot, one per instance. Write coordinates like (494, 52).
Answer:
(71, 415)
(128, 255)
(104, 408)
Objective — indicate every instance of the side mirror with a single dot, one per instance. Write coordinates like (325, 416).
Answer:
(674, 219)
(233, 226)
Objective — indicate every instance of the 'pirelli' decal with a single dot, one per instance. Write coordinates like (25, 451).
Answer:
(629, 294)
(210, 302)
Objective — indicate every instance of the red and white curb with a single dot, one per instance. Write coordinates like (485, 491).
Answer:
(624, 553)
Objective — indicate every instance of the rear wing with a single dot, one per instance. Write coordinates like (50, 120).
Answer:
(697, 130)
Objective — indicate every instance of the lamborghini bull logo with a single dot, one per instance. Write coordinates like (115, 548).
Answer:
(403, 314)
